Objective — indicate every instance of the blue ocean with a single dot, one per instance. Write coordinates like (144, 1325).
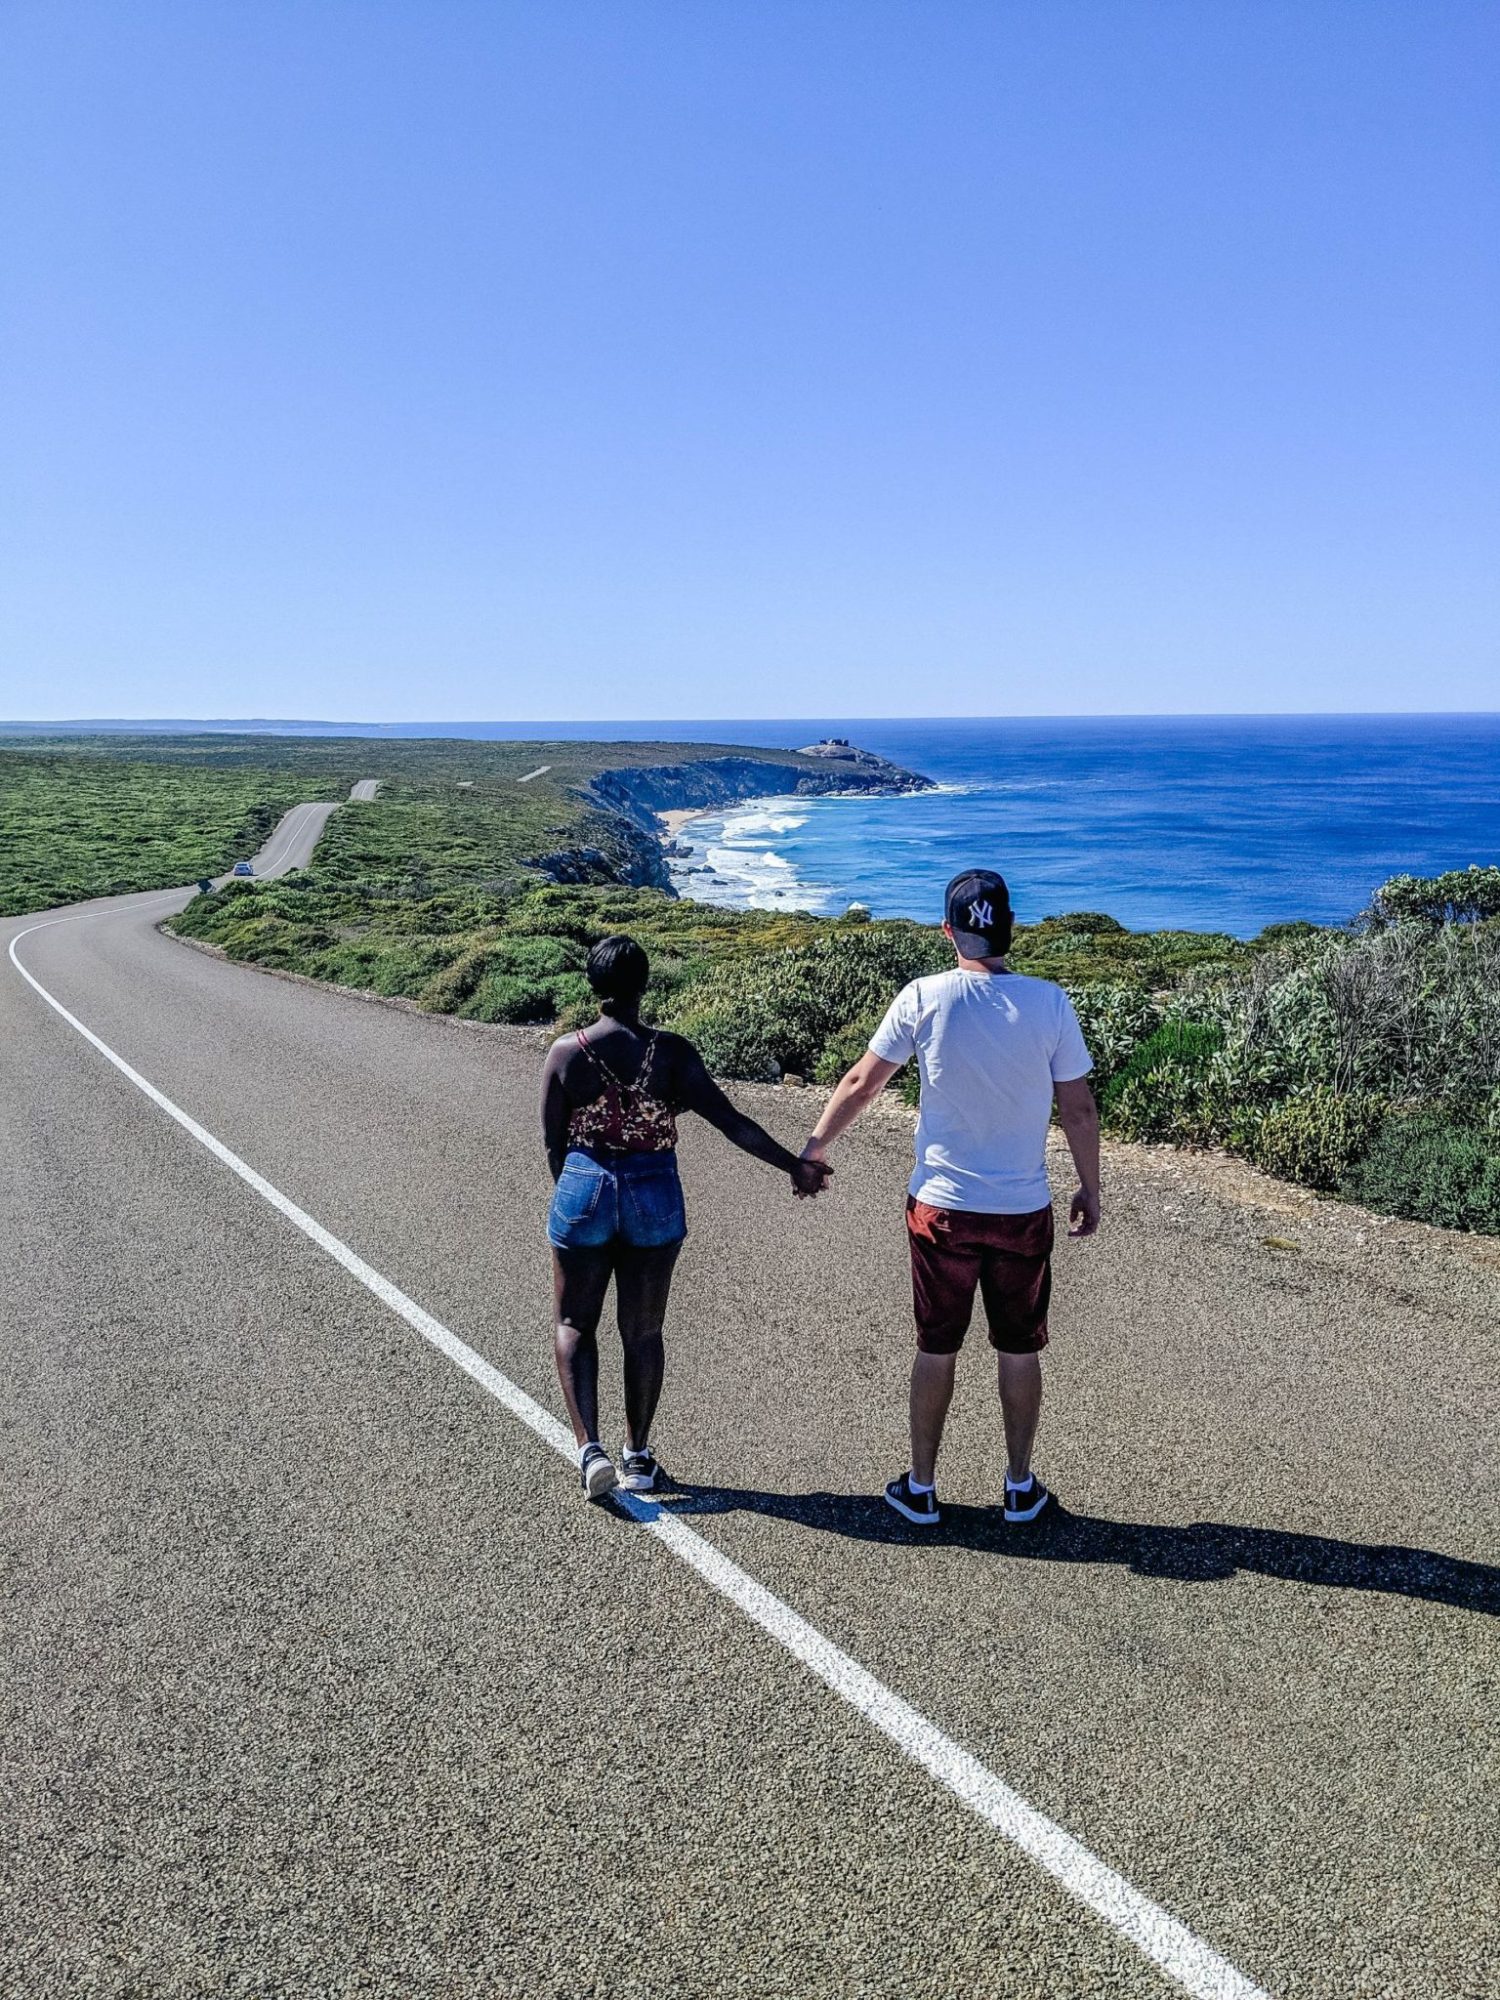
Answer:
(1191, 823)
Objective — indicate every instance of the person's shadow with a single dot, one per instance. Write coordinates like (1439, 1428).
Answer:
(1200, 1552)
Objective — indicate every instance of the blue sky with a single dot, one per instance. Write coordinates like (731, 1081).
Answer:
(606, 358)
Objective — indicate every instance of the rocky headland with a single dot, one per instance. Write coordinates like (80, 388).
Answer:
(627, 824)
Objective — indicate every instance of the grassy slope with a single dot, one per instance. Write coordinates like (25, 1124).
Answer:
(75, 828)
(98, 816)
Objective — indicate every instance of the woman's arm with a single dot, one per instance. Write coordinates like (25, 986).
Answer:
(556, 1108)
(697, 1091)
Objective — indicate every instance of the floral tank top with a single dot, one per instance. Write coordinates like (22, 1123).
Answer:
(625, 1117)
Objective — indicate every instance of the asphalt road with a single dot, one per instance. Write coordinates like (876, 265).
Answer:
(290, 846)
(322, 1679)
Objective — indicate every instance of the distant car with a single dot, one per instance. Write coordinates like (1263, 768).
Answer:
(242, 868)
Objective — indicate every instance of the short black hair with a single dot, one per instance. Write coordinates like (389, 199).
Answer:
(618, 969)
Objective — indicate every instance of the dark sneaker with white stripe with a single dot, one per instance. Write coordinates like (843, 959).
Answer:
(639, 1471)
(596, 1472)
(1024, 1503)
(920, 1508)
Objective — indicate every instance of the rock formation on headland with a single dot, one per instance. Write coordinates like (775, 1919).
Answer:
(630, 800)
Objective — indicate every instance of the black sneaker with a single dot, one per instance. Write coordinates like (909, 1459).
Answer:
(639, 1471)
(596, 1472)
(921, 1508)
(1024, 1503)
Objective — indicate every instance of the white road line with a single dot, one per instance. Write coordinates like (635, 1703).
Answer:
(533, 774)
(1169, 1944)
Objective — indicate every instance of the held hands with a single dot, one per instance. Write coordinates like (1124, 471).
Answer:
(812, 1172)
(1083, 1212)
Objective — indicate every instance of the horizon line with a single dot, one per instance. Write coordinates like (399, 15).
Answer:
(251, 724)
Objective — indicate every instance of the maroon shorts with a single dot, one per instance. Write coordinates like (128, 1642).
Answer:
(1006, 1258)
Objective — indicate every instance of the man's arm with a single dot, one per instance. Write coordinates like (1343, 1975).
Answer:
(1078, 1115)
(856, 1090)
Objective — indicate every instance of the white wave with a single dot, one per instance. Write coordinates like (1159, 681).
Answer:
(744, 878)
(755, 892)
(734, 863)
(751, 825)
(747, 825)
(747, 860)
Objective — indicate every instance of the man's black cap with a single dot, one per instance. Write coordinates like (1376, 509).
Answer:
(977, 908)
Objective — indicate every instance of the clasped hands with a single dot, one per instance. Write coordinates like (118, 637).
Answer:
(812, 1172)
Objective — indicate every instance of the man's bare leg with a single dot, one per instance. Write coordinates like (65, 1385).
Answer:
(1021, 1407)
(931, 1393)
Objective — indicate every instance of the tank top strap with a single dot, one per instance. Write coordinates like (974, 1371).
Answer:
(599, 1063)
(646, 1075)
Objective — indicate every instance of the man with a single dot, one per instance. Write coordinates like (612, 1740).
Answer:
(995, 1049)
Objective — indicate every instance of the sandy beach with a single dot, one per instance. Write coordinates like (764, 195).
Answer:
(675, 820)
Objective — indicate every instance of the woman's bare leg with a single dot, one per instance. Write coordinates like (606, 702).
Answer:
(643, 1278)
(580, 1279)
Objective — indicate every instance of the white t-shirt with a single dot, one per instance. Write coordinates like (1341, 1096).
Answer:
(990, 1046)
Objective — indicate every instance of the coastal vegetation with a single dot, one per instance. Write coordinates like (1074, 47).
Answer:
(72, 827)
(99, 815)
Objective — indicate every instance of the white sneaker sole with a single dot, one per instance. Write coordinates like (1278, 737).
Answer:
(1030, 1513)
(910, 1513)
(637, 1482)
(600, 1479)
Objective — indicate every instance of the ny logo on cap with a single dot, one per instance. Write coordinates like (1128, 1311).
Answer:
(981, 917)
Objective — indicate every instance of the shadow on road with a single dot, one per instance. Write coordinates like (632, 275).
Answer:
(1201, 1552)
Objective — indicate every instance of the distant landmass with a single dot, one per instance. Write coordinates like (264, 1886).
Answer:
(253, 725)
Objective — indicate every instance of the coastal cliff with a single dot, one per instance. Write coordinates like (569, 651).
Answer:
(644, 793)
(624, 827)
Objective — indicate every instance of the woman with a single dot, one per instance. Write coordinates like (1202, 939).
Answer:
(610, 1099)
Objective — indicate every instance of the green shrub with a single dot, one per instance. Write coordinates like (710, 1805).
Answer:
(734, 1043)
(1178, 1045)
(843, 1049)
(474, 984)
(1316, 1136)
(1115, 1018)
(508, 996)
(1290, 936)
(1174, 1086)
(448, 990)
(1463, 895)
(1084, 947)
(272, 942)
(1428, 1168)
(759, 1015)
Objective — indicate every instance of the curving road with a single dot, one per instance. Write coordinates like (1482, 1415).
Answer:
(298, 832)
(321, 1678)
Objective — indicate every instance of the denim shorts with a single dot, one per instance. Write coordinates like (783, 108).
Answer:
(634, 1199)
